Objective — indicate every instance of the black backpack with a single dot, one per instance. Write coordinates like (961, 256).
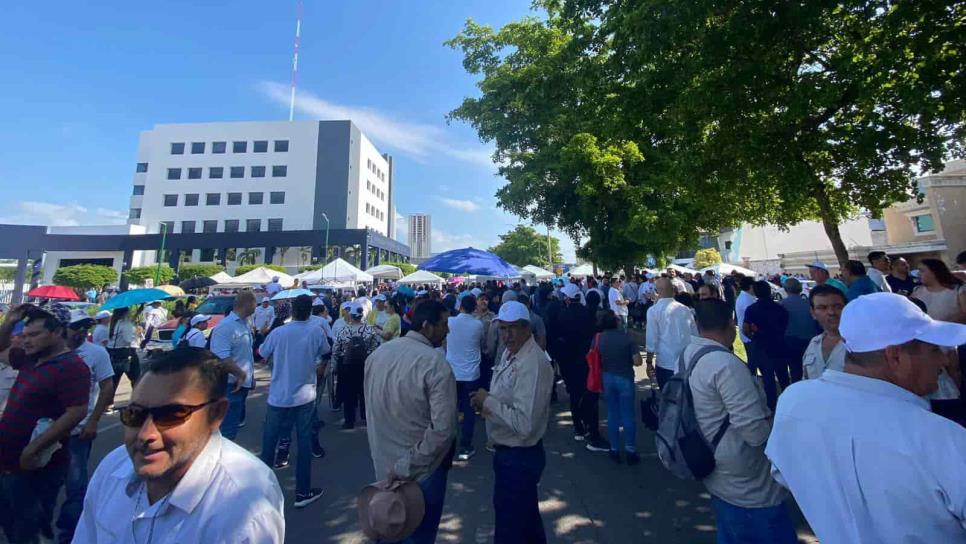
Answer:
(357, 350)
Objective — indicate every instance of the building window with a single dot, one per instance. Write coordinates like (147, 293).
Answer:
(253, 225)
(135, 213)
(170, 200)
(255, 198)
(260, 146)
(197, 148)
(216, 172)
(207, 255)
(166, 226)
(209, 226)
(187, 227)
(231, 225)
(281, 146)
(368, 185)
(258, 171)
(177, 148)
(276, 197)
(274, 225)
(191, 199)
(234, 199)
(218, 147)
(142, 167)
(367, 207)
(138, 190)
(369, 164)
(279, 171)
(239, 147)
(924, 223)
(174, 173)
(194, 173)
(236, 172)
(212, 199)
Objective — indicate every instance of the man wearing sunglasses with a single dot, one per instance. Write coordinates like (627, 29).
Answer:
(176, 479)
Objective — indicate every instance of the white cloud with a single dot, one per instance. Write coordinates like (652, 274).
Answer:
(32, 212)
(461, 205)
(445, 241)
(418, 140)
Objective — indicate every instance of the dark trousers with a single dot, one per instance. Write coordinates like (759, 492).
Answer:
(278, 423)
(794, 351)
(350, 391)
(486, 372)
(125, 361)
(75, 487)
(463, 390)
(772, 368)
(583, 404)
(27, 501)
(517, 472)
(434, 494)
(663, 375)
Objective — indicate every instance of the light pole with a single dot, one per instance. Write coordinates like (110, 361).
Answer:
(157, 272)
(326, 256)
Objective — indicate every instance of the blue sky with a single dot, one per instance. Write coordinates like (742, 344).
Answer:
(81, 80)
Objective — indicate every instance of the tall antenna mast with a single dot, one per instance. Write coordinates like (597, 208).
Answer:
(295, 61)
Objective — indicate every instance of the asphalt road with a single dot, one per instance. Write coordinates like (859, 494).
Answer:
(585, 497)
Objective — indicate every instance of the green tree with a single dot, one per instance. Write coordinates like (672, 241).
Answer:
(524, 245)
(190, 270)
(249, 267)
(139, 274)
(406, 268)
(83, 276)
(704, 258)
(249, 255)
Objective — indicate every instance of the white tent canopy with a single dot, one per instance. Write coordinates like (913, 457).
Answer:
(682, 269)
(725, 269)
(261, 276)
(385, 272)
(336, 271)
(581, 271)
(538, 272)
(222, 277)
(421, 276)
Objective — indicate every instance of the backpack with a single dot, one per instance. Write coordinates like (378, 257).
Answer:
(183, 341)
(357, 349)
(681, 446)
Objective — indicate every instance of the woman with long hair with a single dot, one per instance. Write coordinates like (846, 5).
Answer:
(393, 325)
(942, 292)
(121, 344)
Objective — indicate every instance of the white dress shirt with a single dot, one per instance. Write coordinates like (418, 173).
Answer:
(97, 359)
(615, 296)
(196, 338)
(879, 279)
(646, 291)
(100, 335)
(273, 289)
(263, 317)
(868, 462)
(464, 344)
(233, 338)
(814, 362)
(744, 300)
(228, 496)
(670, 325)
(295, 348)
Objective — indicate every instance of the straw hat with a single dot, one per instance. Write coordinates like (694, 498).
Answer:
(390, 511)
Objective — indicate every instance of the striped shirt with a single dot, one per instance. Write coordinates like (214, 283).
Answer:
(42, 390)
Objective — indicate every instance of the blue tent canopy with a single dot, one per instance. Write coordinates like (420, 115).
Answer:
(469, 261)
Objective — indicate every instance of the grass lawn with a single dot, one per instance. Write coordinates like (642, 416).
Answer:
(739, 348)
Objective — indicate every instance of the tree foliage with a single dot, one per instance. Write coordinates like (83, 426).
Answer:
(249, 255)
(643, 123)
(407, 268)
(84, 276)
(704, 258)
(139, 274)
(524, 245)
(190, 270)
(249, 267)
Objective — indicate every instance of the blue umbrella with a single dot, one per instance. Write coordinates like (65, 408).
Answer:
(292, 293)
(469, 261)
(134, 297)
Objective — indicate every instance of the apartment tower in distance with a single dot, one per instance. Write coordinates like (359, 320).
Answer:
(420, 229)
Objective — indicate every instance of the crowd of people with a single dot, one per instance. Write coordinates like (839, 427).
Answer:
(849, 401)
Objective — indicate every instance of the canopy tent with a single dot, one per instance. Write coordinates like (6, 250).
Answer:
(338, 271)
(470, 261)
(222, 277)
(385, 272)
(681, 269)
(581, 271)
(420, 277)
(725, 269)
(262, 276)
(538, 272)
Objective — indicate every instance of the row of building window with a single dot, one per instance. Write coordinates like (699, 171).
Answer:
(214, 199)
(371, 187)
(230, 225)
(375, 212)
(234, 172)
(219, 148)
(371, 166)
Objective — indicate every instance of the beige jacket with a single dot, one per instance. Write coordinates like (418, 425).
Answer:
(518, 406)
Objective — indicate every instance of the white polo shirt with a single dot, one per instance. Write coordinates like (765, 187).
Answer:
(196, 338)
(868, 462)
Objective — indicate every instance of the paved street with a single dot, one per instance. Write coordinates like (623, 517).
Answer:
(585, 497)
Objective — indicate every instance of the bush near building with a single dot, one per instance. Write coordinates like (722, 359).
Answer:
(206, 270)
(138, 275)
(85, 276)
(249, 267)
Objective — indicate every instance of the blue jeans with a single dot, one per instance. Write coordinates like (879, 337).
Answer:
(737, 525)
(27, 501)
(620, 393)
(278, 423)
(463, 390)
(75, 487)
(236, 410)
(434, 493)
(517, 473)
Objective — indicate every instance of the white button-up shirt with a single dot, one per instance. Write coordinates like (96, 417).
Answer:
(744, 300)
(670, 325)
(464, 345)
(814, 362)
(646, 291)
(868, 462)
(233, 338)
(615, 296)
(264, 316)
(228, 496)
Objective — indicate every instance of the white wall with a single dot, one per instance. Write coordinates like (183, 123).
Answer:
(751, 243)
(369, 158)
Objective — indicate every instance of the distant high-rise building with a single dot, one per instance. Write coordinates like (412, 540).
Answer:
(420, 227)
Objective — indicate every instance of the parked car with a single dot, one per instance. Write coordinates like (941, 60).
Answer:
(217, 307)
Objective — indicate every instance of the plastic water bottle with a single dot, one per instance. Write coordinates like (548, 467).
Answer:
(42, 425)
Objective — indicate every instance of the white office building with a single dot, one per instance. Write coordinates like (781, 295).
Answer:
(420, 232)
(261, 176)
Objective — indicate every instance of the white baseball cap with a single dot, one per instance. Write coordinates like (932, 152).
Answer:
(200, 318)
(380, 297)
(265, 299)
(879, 320)
(76, 316)
(356, 309)
(476, 291)
(818, 264)
(422, 293)
(571, 291)
(512, 311)
(103, 314)
(346, 304)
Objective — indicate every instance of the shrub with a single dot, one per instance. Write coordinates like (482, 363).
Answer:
(138, 275)
(191, 270)
(84, 276)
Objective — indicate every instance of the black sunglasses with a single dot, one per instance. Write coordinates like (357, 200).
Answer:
(164, 417)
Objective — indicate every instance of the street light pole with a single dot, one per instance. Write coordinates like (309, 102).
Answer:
(326, 257)
(157, 272)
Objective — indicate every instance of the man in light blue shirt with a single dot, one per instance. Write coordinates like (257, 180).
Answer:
(464, 346)
(231, 341)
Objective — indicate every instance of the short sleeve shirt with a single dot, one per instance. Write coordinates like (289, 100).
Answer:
(617, 351)
(99, 363)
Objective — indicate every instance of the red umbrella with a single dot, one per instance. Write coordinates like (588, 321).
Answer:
(54, 291)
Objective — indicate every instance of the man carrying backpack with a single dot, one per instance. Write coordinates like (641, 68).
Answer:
(734, 420)
(353, 345)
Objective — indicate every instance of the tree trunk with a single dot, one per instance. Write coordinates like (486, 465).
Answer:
(831, 224)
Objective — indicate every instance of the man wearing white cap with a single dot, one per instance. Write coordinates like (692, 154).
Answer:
(859, 449)
(820, 275)
(101, 333)
(263, 318)
(377, 317)
(516, 411)
(353, 346)
(273, 288)
(195, 337)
